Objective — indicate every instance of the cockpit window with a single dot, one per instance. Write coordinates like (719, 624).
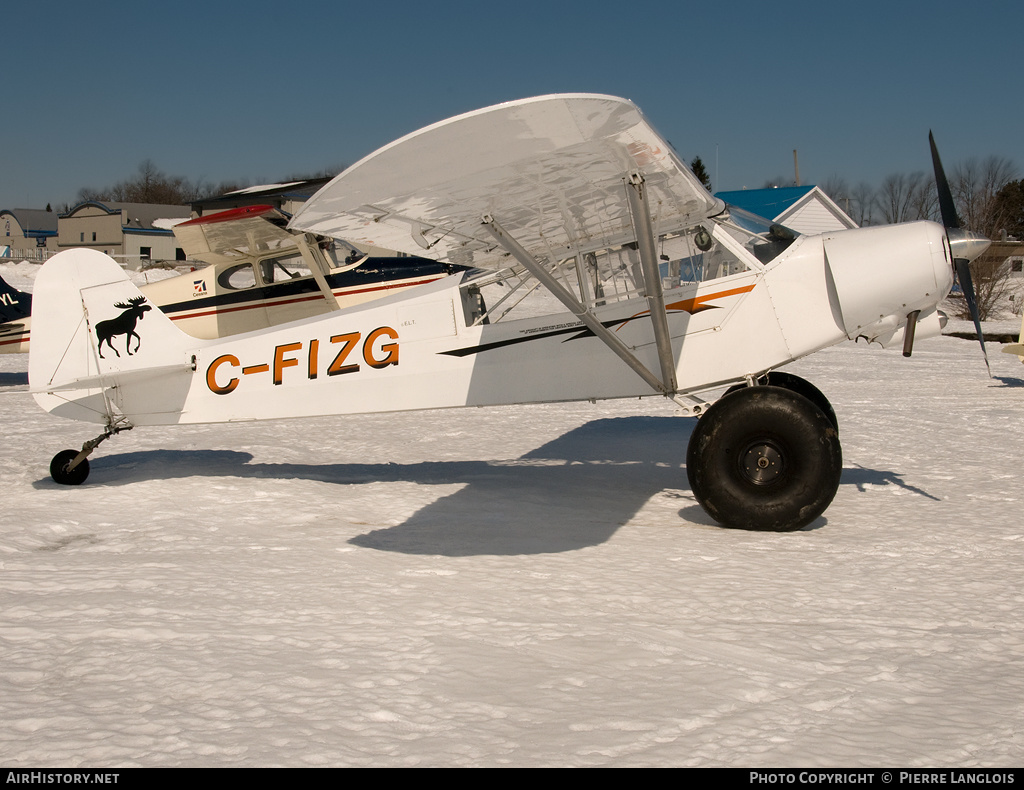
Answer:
(284, 268)
(730, 243)
(696, 256)
(766, 240)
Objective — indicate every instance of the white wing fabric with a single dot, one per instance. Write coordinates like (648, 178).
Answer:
(550, 170)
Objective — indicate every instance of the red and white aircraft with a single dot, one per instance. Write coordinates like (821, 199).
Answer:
(662, 290)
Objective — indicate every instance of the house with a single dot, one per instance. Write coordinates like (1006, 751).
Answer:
(131, 233)
(28, 233)
(804, 209)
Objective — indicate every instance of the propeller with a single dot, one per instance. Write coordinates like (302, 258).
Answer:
(965, 245)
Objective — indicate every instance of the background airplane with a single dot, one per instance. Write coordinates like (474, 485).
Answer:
(261, 274)
(1018, 347)
(15, 309)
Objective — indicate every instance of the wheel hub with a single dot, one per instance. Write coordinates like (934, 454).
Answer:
(762, 463)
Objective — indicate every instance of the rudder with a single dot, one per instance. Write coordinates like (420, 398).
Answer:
(97, 342)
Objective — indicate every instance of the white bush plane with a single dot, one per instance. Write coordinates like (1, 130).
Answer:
(663, 291)
(261, 275)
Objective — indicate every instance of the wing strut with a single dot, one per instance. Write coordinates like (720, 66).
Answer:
(307, 243)
(566, 297)
(636, 192)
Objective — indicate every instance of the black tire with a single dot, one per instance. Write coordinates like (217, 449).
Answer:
(780, 378)
(764, 458)
(61, 474)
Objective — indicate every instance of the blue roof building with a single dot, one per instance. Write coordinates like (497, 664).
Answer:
(804, 209)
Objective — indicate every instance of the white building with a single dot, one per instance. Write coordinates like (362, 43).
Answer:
(131, 233)
(804, 209)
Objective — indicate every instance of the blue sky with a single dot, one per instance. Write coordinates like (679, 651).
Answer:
(262, 90)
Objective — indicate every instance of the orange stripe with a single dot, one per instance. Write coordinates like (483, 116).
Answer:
(694, 305)
(690, 304)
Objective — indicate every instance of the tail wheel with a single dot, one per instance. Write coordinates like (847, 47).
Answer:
(780, 378)
(60, 472)
(764, 458)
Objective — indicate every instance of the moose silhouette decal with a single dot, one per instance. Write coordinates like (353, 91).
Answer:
(124, 324)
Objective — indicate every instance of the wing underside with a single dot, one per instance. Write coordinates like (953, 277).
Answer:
(551, 170)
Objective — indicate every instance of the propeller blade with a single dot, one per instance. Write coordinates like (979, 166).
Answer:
(963, 274)
(947, 208)
(965, 245)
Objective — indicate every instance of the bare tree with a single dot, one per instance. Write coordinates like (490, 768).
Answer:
(863, 204)
(323, 172)
(150, 185)
(905, 198)
(992, 286)
(835, 187)
(778, 181)
(925, 200)
(975, 186)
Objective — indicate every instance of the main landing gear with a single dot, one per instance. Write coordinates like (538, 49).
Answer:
(766, 457)
(71, 467)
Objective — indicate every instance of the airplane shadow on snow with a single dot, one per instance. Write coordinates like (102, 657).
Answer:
(572, 492)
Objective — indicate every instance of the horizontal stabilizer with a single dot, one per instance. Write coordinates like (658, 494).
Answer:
(123, 378)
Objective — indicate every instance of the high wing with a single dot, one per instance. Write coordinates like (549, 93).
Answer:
(230, 234)
(551, 170)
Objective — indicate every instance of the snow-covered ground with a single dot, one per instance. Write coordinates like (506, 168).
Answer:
(521, 586)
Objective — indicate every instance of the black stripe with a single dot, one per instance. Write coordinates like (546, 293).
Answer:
(374, 272)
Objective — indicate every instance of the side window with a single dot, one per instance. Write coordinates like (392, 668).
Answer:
(237, 278)
(284, 268)
(696, 257)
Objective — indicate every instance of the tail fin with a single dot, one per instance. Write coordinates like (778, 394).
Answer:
(14, 304)
(99, 350)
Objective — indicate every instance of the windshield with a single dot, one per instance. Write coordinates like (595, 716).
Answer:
(696, 256)
(763, 238)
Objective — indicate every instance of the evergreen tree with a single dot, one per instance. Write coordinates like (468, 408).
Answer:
(1010, 209)
(697, 166)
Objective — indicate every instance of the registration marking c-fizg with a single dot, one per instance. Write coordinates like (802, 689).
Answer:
(379, 350)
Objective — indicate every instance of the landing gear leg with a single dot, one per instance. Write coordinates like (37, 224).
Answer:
(71, 467)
